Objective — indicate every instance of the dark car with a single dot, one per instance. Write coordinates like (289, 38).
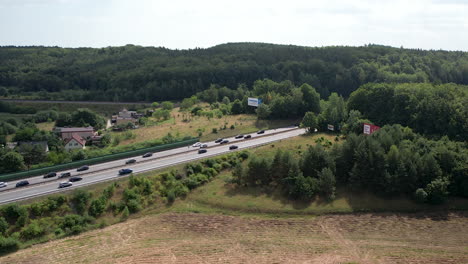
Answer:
(149, 154)
(225, 141)
(75, 179)
(65, 174)
(83, 168)
(261, 132)
(239, 136)
(248, 136)
(22, 183)
(50, 175)
(219, 140)
(65, 184)
(200, 151)
(233, 147)
(130, 161)
(125, 171)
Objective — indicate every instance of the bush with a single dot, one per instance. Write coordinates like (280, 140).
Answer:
(31, 231)
(97, 207)
(214, 130)
(15, 214)
(8, 244)
(80, 200)
(125, 213)
(3, 225)
(420, 195)
(133, 206)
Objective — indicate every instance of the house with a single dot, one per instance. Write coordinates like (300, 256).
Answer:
(42, 144)
(67, 132)
(75, 142)
(125, 117)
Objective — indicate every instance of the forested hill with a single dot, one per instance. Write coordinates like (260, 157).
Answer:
(134, 73)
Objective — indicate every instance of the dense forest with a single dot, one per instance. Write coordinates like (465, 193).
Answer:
(134, 73)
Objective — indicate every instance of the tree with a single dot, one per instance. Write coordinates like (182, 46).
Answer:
(237, 107)
(226, 100)
(167, 105)
(311, 99)
(263, 111)
(309, 121)
(327, 183)
(155, 105)
(11, 162)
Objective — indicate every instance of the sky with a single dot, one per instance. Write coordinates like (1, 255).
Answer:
(177, 24)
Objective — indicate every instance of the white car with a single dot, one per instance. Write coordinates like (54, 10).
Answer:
(203, 145)
(65, 184)
(3, 184)
(196, 144)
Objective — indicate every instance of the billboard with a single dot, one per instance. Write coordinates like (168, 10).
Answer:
(254, 101)
(331, 127)
(369, 128)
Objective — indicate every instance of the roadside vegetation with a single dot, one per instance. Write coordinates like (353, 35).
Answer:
(81, 210)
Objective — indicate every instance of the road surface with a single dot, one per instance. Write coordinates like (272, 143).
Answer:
(109, 170)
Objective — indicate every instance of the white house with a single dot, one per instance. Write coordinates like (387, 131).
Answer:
(75, 142)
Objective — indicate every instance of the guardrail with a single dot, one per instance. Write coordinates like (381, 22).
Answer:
(110, 157)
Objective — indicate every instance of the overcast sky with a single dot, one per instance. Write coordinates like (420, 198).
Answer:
(426, 24)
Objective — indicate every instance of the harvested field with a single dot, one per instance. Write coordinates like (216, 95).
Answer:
(207, 238)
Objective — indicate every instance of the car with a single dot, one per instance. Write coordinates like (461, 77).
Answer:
(225, 141)
(233, 147)
(65, 184)
(200, 151)
(130, 161)
(22, 183)
(50, 175)
(239, 136)
(196, 144)
(149, 154)
(125, 171)
(75, 179)
(261, 132)
(219, 140)
(3, 184)
(64, 175)
(83, 168)
(247, 136)
(203, 145)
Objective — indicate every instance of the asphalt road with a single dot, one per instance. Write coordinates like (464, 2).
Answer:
(109, 170)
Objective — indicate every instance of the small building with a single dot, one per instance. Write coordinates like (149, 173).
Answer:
(75, 142)
(41, 144)
(67, 132)
(125, 117)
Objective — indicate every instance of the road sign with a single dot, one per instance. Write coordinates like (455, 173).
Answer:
(331, 127)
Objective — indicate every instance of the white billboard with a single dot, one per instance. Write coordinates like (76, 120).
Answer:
(254, 101)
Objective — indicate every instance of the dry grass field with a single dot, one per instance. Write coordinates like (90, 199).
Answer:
(208, 238)
(176, 126)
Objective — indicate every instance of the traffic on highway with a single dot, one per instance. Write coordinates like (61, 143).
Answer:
(53, 182)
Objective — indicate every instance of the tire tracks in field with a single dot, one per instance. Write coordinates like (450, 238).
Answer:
(348, 248)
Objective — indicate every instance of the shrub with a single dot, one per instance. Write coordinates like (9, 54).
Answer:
(31, 231)
(3, 225)
(133, 206)
(15, 214)
(80, 200)
(97, 207)
(420, 195)
(125, 213)
(8, 244)
(214, 130)
(243, 154)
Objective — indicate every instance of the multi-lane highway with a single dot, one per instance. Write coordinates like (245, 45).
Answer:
(109, 170)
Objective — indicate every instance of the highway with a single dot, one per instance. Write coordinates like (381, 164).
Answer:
(109, 170)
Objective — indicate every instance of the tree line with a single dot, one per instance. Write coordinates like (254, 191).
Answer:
(391, 162)
(134, 73)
